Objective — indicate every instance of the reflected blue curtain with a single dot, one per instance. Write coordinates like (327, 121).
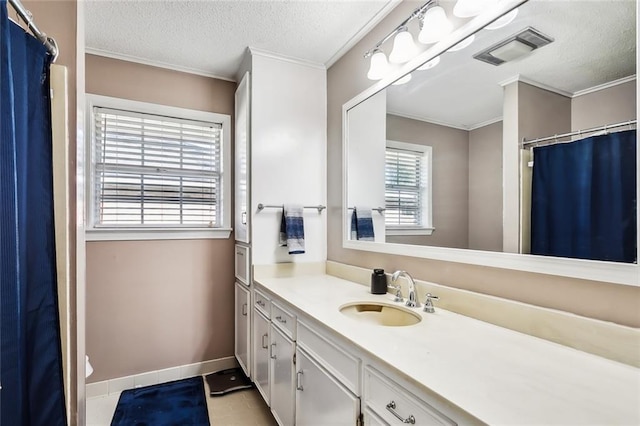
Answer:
(30, 364)
(584, 198)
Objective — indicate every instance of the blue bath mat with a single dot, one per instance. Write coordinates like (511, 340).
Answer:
(176, 403)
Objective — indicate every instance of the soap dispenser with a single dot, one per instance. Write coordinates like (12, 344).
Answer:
(378, 282)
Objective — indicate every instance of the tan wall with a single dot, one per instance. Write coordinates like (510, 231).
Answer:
(608, 106)
(158, 304)
(347, 78)
(485, 188)
(450, 177)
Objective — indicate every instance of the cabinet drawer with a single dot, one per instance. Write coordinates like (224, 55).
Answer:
(394, 404)
(371, 419)
(242, 264)
(341, 364)
(262, 303)
(284, 320)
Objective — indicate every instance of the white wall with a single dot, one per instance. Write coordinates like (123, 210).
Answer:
(367, 127)
(288, 154)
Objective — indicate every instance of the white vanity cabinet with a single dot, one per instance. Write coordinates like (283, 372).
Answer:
(281, 352)
(242, 169)
(242, 324)
(320, 398)
(392, 403)
(261, 360)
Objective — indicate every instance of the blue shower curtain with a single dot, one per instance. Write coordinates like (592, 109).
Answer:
(584, 198)
(30, 358)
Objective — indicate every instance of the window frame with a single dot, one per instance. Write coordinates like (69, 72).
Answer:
(133, 232)
(427, 198)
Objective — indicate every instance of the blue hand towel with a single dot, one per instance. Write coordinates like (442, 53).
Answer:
(362, 224)
(292, 229)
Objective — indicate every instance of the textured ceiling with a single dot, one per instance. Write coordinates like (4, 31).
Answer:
(595, 43)
(210, 37)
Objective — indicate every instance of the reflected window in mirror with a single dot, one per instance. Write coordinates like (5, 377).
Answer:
(408, 189)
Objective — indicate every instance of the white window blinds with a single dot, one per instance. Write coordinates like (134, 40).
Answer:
(403, 188)
(151, 170)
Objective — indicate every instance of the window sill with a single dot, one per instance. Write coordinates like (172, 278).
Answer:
(139, 234)
(409, 231)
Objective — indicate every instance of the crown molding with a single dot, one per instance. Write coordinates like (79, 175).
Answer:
(484, 123)
(428, 120)
(604, 86)
(530, 82)
(157, 64)
(391, 4)
(268, 54)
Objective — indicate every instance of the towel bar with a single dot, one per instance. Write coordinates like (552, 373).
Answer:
(267, 206)
(378, 209)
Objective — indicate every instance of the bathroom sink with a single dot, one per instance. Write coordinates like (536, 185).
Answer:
(380, 314)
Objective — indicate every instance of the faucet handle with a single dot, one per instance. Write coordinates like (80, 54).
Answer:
(398, 290)
(428, 304)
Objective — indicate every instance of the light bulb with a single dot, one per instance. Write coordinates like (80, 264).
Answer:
(402, 80)
(503, 20)
(428, 65)
(404, 48)
(435, 25)
(379, 66)
(464, 43)
(469, 8)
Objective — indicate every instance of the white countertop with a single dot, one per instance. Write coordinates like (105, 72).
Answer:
(497, 375)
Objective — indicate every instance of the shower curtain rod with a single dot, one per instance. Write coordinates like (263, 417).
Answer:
(27, 17)
(578, 132)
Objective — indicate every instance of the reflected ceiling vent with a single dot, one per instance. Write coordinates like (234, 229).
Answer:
(514, 47)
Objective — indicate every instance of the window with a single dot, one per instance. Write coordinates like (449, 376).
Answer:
(156, 169)
(407, 189)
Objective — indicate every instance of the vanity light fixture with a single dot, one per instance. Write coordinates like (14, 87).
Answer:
(430, 64)
(402, 80)
(404, 48)
(464, 43)
(471, 8)
(435, 25)
(503, 20)
(379, 65)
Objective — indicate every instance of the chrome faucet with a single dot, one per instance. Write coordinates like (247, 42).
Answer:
(412, 300)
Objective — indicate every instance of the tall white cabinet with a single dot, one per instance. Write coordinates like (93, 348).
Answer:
(280, 158)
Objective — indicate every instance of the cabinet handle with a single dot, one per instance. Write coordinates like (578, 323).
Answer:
(239, 253)
(299, 381)
(271, 355)
(244, 309)
(244, 218)
(261, 303)
(265, 345)
(391, 407)
(279, 318)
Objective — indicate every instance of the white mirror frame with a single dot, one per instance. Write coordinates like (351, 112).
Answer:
(610, 272)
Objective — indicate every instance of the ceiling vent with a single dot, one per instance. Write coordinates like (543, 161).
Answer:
(514, 47)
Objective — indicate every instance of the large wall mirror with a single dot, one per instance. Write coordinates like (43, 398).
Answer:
(445, 164)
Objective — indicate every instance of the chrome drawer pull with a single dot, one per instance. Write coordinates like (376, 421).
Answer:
(299, 381)
(265, 345)
(244, 309)
(279, 318)
(261, 303)
(391, 407)
(271, 355)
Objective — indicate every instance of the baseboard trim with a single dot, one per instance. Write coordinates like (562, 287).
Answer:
(118, 384)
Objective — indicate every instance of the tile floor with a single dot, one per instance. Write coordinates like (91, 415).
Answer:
(241, 408)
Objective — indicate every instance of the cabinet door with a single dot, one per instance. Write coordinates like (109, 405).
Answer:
(260, 356)
(241, 190)
(321, 399)
(242, 336)
(281, 351)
